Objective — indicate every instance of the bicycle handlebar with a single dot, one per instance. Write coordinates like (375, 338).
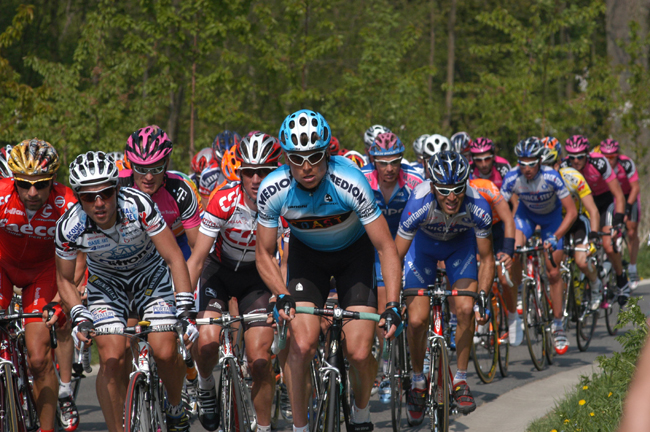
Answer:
(432, 291)
(504, 272)
(522, 249)
(338, 313)
(17, 316)
(227, 320)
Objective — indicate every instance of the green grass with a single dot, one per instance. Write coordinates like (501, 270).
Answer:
(643, 261)
(596, 403)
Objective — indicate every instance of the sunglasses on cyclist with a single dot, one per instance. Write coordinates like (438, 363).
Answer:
(446, 191)
(483, 158)
(153, 170)
(260, 171)
(578, 156)
(313, 158)
(392, 162)
(529, 164)
(91, 197)
(38, 184)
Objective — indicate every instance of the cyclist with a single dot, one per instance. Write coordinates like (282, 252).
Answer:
(420, 162)
(121, 161)
(587, 224)
(460, 143)
(542, 195)
(355, 157)
(606, 190)
(204, 158)
(149, 150)
(369, 138)
(487, 164)
(132, 258)
(30, 204)
(335, 222)
(5, 171)
(444, 220)
(392, 185)
(213, 176)
(628, 177)
(229, 224)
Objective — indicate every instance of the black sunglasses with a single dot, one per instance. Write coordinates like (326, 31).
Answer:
(38, 184)
(91, 197)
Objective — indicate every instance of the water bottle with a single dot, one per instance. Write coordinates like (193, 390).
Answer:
(384, 392)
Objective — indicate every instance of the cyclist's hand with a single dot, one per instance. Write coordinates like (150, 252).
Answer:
(190, 332)
(82, 326)
(505, 258)
(551, 243)
(283, 303)
(396, 322)
(53, 313)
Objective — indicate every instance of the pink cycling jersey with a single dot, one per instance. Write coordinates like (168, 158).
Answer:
(500, 168)
(626, 172)
(597, 171)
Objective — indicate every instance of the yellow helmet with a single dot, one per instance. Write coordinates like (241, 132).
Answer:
(33, 157)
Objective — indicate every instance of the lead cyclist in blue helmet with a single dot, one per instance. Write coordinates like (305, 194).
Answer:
(542, 195)
(335, 226)
(444, 220)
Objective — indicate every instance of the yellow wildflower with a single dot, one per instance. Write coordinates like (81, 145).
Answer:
(610, 394)
(582, 402)
(585, 387)
(592, 414)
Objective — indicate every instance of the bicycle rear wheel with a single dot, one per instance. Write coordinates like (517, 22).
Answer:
(502, 329)
(439, 388)
(485, 345)
(395, 373)
(534, 325)
(137, 414)
(12, 419)
(613, 308)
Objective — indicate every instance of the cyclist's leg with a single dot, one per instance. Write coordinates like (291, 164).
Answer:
(580, 231)
(39, 292)
(549, 224)
(606, 224)
(112, 379)
(633, 241)
(68, 413)
(523, 232)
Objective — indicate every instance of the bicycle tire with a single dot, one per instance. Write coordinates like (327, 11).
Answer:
(613, 308)
(12, 420)
(30, 413)
(275, 404)
(547, 313)
(395, 374)
(504, 343)
(439, 388)
(137, 416)
(586, 326)
(327, 415)
(226, 394)
(484, 350)
(534, 326)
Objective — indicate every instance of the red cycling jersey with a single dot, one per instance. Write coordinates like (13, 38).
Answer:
(27, 246)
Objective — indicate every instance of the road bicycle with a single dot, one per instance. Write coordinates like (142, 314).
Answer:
(440, 402)
(234, 398)
(537, 313)
(396, 352)
(17, 405)
(490, 344)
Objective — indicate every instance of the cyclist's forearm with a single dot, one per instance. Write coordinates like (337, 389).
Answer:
(269, 271)
(180, 276)
(619, 197)
(65, 283)
(391, 268)
(634, 192)
(486, 272)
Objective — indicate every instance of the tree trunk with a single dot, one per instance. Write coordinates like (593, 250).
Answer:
(451, 52)
(175, 105)
(432, 45)
(191, 151)
(304, 66)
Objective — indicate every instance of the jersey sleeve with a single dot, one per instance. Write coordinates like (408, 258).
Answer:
(416, 211)
(481, 213)
(188, 204)
(219, 209)
(68, 229)
(554, 180)
(630, 169)
(360, 196)
(271, 196)
(579, 183)
(508, 185)
(604, 168)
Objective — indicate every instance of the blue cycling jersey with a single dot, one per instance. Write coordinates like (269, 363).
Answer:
(407, 180)
(540, 195)
(422, 214)
(329, 217)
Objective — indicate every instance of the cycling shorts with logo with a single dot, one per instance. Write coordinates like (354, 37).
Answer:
(148, 291)
(39, 287)
(580, 230)
(422, 257)
(220, 283)
(310, 271)
(526, 221)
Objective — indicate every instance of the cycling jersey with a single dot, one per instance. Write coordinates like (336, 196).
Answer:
(490, 192)
(422, 215)
(229, 220)
(500, 168)
(597, 172)
(177, 201)
(125, 247)
(27, 246)
(626, 172)
(195, 179)
(419, 168)
(407, 180)
(541, 195)
(577, 187)
(210, 178)
(329, 217)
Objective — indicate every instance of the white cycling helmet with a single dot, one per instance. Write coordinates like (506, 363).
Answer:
(418, 144)
(91, 169)
(435, 144)
(259, 149)
(372, 132)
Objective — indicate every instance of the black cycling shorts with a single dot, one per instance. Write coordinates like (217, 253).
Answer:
(603, 202)
(219, 284)
(580, 230)
(310, 271)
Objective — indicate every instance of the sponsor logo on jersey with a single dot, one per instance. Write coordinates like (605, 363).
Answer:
(414, 216)
(415, 272)
(47, 211)
(350, 188)
(59, 201)
(75, 232)
(14, 211)
(162, 308)
(39, 231)
(226, 206)
(102, 314)
(318, 223)
(4, 199)
(328, 198)
(210, 292)
(271, 190)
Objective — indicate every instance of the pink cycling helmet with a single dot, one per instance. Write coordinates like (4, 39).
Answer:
(481, 145)
(148, 145)
(577, 144)
(609, 146)
(386, 144)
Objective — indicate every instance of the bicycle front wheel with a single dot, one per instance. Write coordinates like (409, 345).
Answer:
(485, 345)
(439, 388)
(534, 331)
(236, 415)
(137, 416)
(587, 319)
(327, 418)
(12, 420)
(395, 373)
(504, 342)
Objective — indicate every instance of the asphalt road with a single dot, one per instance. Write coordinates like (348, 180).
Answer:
(522, 372)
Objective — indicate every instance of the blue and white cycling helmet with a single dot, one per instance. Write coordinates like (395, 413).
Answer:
(305, 130)
(529, 148)
(448, 168)
(386, 144)
(418, 144)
